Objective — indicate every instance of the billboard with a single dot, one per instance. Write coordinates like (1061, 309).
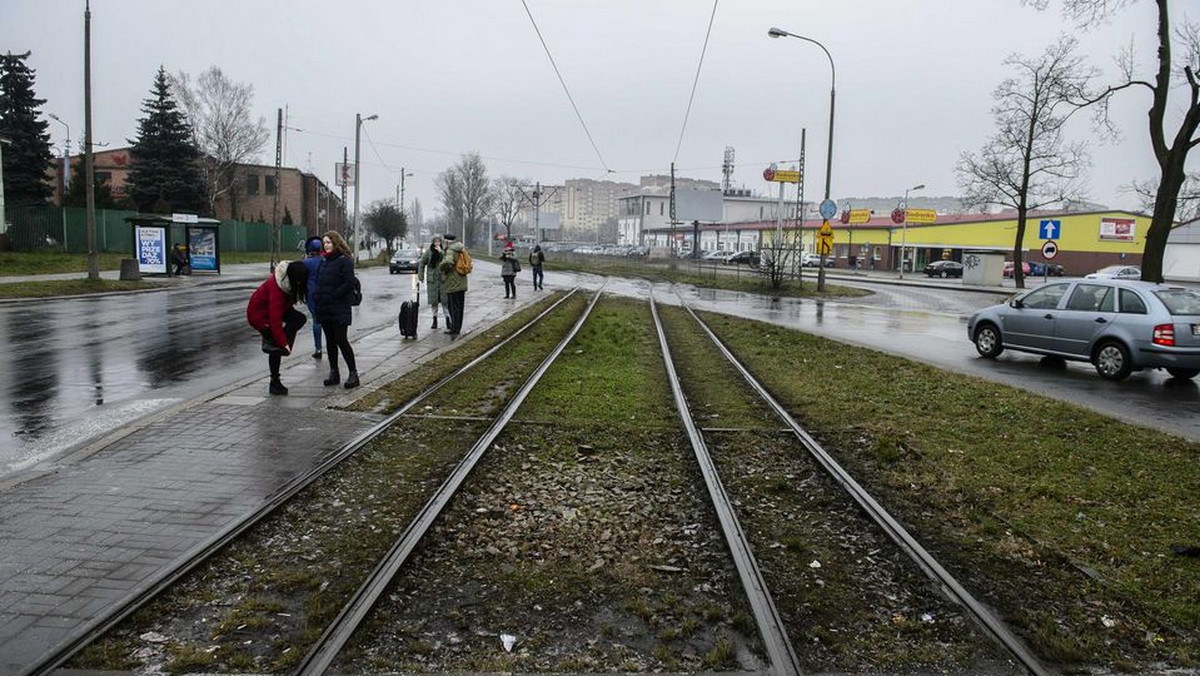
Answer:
(706, 206)
(150, 245)
(1118, 229)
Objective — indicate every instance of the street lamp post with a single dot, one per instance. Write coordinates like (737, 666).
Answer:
(66, 156)
(904, 226)
(779, 33)
(358, 120)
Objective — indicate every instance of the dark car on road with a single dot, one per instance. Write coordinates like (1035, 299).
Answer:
(1119, 326)
(404, 260)
(750, 258)
(944, 269)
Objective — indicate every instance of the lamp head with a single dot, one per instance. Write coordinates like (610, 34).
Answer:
(918, 187)
(777, 32)
(372, 117)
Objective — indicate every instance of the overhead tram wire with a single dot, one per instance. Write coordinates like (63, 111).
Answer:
(695, 81)
(376, 151)
(565, 89)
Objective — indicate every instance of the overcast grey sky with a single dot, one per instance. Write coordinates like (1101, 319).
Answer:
(914, 82)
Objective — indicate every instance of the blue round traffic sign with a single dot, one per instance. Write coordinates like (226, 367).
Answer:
(828, 209)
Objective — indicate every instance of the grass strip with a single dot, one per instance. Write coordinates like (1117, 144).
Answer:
(71, 287)
(1060, 517)
(587, 538)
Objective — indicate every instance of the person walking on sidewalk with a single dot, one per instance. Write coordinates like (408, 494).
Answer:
(313, 263)
(508, 271)
(456, 281)
(335, 286)
(270, 312)
(429, 270)
(536, 258)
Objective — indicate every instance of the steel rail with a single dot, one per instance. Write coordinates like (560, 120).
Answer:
(991, 624)
(322, 654)
(775, 638)
(205, 550)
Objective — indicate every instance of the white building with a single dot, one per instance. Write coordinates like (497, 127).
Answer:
(651, 209)
(1181, 258)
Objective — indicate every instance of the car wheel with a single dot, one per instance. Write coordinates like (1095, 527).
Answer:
(1112, 361)
(943, 275)
(987, 341)
(1183, 374)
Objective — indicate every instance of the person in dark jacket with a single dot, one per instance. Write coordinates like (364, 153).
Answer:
(270, 312)
(536, 258)
(455, 284)
(313, 262)
(508, 271)
(335, 285)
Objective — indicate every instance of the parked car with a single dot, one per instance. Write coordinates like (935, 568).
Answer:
(812, 260)
(1119, 326)
(404, 260)
(750, 258)
(1117, 272)
(944, 269)
(1008, 268)
(719, 256)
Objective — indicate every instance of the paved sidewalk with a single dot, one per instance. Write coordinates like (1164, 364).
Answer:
(109, 521)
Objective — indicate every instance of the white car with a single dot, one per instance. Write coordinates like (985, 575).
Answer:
(1117, 272)
(812, 260)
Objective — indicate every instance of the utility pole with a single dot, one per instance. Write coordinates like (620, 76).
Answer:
(674, 254)
(88, 163)
(345, 163)
(358, 120)
(536, 201)
(275, 205)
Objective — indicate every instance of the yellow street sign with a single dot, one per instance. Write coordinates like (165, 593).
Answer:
(825, 246)
(826, 229)
(782, 175)
(858, 216)
(922, 216)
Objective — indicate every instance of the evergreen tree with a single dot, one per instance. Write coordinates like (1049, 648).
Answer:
(165, 173)
(28, 155)
(77, 195)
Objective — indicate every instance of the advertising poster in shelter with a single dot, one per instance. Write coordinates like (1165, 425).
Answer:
(150, 244)
(202, 249)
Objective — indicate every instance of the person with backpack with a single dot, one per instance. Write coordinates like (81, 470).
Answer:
(456, 265)
(335, 290)
(509, 267)
(270, 312)
(536, 258)
(429, 270)
(313, 262)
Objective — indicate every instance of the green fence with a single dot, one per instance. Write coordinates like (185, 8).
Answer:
(65, 229)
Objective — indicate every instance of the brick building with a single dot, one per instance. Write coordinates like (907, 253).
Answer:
(303, 196)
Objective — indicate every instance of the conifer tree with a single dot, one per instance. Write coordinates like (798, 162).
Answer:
(165, 176)
(27, 156)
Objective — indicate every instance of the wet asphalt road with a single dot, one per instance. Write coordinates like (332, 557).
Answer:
(78, 369)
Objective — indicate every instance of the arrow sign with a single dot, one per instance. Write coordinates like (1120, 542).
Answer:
(1050, 229)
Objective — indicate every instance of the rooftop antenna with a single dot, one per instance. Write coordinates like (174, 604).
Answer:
(727, 170)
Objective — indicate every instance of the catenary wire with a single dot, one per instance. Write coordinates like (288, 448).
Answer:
(564, 86)
(695, 81)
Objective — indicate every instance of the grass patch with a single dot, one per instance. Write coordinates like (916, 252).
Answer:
(728, 278)
(1019, 494)
(71, 287)
(17, 263)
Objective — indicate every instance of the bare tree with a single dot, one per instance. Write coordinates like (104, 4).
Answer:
(416, 215)
(384, 219)
(1170, 150)
(1188, 200)
(466, 195)
(506, 202)
(1026, 164)
(223, 126)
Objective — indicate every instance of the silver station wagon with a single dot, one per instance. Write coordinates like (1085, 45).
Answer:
(1119, 326)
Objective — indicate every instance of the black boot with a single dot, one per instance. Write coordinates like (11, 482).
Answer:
(277, 387)
(352, 380)
(434, 322)
(333, 379)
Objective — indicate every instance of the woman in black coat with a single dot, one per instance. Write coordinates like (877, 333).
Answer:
(335, 286)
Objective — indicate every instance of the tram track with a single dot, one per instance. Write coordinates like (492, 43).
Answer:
(208, 549)
(982, 616)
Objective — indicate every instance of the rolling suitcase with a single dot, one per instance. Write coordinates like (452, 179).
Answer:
(409, 310)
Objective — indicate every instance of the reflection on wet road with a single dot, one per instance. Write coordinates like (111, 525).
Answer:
(78, 368)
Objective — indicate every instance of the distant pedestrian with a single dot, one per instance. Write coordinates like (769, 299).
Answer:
(313, 262)
(270, 312)
(456, 265)
(179, 257)
(508, 272)
(536, 259)
(335, 286)
(429, 271)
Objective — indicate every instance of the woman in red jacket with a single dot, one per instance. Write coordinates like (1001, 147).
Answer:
(270, 312)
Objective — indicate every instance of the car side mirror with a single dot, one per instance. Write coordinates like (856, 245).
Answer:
(1017, 303)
